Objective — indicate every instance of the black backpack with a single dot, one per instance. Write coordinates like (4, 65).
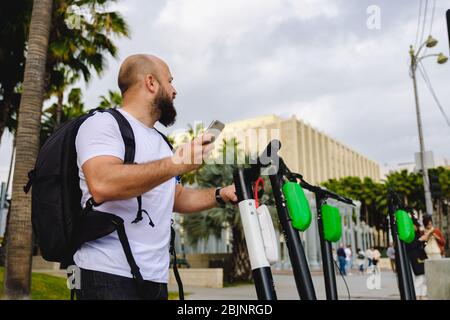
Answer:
(59, 222)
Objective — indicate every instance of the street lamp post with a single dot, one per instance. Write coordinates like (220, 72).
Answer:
(415, 60)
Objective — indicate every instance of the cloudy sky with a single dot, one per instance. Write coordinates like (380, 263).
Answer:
(315, 59)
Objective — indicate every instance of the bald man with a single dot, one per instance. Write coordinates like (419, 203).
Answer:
(147, 91)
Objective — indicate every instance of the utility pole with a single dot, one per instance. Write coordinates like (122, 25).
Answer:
(426, 180)
(415, 60)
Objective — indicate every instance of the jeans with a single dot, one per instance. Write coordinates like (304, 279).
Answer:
(342, 264)
(361, 267)
(96, 285)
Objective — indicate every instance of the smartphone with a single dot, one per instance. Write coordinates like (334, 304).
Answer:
(215, 128)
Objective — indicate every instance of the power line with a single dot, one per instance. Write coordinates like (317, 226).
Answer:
(432, 16)
(431, 22)
(418, 23)
(424, 21)
(425, 77)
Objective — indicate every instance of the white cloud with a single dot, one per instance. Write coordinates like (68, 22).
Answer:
(238, 59)
(310, 9)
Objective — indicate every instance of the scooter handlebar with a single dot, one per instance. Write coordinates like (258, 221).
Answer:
(268, 153)
(326, 193)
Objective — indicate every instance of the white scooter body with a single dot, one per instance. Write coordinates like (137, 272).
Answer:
(268, 233)
(259, 233)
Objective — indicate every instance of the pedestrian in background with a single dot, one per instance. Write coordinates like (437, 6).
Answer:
(341, 258)
(391, 255)
(369, 256)
(417, 256)
(376, 258)
(348, 259)
(360, 260)
(435, 241)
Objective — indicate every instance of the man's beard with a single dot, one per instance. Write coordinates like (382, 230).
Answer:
(166, 108)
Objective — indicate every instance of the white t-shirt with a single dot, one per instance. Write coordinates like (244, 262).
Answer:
(100, 135)
(348, 254)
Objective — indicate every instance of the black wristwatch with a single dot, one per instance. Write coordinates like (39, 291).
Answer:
(219, 199)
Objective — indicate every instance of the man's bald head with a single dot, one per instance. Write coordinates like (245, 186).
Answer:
(134, 69)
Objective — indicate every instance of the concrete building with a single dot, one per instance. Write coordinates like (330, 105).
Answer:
(306, 150)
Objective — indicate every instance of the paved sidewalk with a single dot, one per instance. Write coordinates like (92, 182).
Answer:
(286, 289)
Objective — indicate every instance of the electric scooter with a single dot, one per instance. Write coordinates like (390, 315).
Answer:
(259, 232)
(298, 217)
(330, 230)
(293, 212)
(403, 232)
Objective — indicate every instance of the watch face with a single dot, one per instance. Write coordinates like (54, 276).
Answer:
(218, 197)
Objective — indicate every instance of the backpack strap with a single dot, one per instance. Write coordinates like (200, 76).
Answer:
(177, 178)
(127, 134)
(140, 212)
(175, 266)
(127, 250)
(130, 150)
(165, 138)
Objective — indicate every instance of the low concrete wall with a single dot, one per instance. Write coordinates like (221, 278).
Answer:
(40, 264)
(199, 277)
(385, 264)
(437, 273)
(202, 260)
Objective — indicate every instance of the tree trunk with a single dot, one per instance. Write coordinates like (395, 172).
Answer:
(18, 256)
(240, 261)
(59, 109)
(11, 164)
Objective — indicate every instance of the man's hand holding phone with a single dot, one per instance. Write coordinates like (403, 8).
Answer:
(192, 154)
(214, 129)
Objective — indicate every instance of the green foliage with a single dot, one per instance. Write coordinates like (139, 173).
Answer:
(14, 22)
(44, 287)
(73, 108)
(373, 195)
(112, 100)
(211, 222)
(80, 40)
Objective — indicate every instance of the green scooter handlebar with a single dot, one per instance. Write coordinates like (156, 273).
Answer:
(298, 206)
(332, 225)
(405, 226)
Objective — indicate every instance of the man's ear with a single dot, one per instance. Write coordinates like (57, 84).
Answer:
(151, 83)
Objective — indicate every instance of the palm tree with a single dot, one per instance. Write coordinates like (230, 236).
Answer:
(18, 257)
(14, 25)
(70, 110)
(72, 52)
(112, 100)
(77, 50)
